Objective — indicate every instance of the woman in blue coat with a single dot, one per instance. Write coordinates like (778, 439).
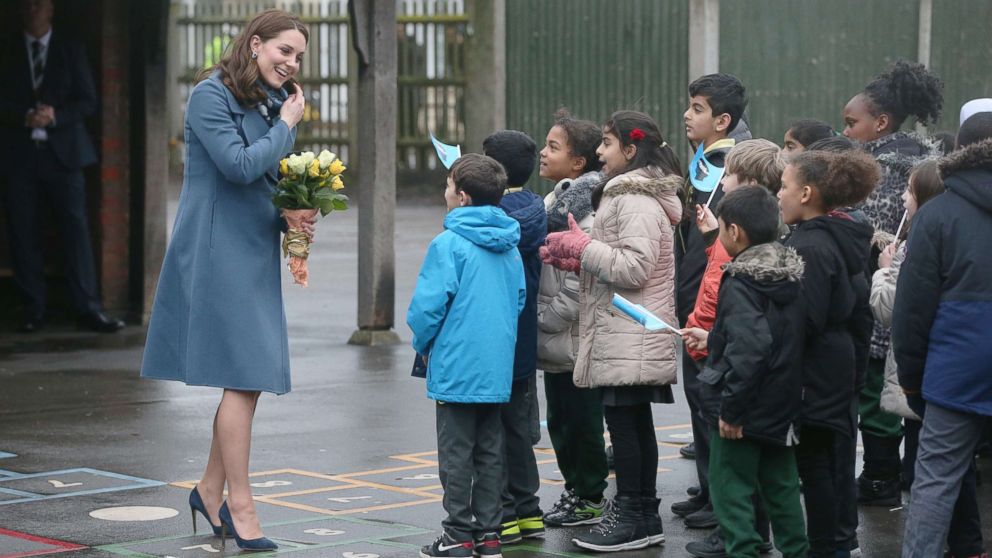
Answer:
(218, 317)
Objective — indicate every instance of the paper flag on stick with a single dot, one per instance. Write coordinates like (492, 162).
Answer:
(640, 314)
(901, 223)
(703, 175)
(448, 154)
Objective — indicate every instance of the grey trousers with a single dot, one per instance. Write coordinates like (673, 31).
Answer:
(470, 464)
(521, 481)
(947, 446)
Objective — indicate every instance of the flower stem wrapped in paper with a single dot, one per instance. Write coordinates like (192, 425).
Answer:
(308, 183)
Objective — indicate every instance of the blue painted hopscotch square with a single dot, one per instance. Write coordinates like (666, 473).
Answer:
(66, 483)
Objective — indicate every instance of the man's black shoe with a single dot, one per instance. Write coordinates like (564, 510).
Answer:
(705, 518)
(886, 493)
(688, 451)
(100, 322)
(690, 506)
(713, 546)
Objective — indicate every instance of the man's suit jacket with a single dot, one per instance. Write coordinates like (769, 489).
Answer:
(67, 86)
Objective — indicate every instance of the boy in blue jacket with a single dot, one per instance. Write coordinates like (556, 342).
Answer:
(463, 315)
(522, 515)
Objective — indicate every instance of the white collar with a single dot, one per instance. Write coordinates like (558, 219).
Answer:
(44, 39)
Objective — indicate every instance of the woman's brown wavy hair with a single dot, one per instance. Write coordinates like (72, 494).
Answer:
(237, 69)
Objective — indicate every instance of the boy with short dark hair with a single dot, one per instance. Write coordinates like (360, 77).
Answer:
(716, 106)
(464, 319)
(753, 376)
(522, 515)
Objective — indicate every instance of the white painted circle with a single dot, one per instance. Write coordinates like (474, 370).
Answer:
(133, 513)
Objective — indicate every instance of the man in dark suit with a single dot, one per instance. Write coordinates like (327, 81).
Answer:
(43, 149)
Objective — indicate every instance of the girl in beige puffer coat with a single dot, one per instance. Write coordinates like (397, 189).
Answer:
(629, 252)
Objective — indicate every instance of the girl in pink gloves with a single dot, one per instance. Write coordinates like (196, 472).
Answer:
(630, 253)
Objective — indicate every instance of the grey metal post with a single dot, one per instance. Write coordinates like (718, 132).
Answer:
(373, 27)
(485, 72)
(704, 37)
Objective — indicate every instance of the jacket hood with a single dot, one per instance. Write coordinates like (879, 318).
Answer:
(902, 150)
(853, 239)
(485, 226)
(650, 181)
(968, 173)
(527, 209)
(571, 196)
(772, 268)
(975, 156)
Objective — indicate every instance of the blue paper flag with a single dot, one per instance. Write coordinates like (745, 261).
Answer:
(704, 176)
(448, 154)
(640, 314)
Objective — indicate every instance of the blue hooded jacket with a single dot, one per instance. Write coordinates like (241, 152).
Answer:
(943, 308)
(465, 307)
(527, 208)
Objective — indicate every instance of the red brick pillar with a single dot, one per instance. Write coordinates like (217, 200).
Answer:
(115, 189)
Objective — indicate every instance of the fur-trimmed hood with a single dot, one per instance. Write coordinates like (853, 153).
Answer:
(767, 263)
(975, 156)
(649, 181)
(968, 173)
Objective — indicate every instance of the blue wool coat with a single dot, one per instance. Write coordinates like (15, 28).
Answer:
(218, 317)
(464, 311)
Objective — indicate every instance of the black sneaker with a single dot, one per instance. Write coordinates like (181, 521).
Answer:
(578, 512)
(565, 501)
(705, 518)
(622, 528)
(489, 546)
(887, 493)
(652, 521)
(688, 451)
(445, 547)
(713, 546)
(690, 506)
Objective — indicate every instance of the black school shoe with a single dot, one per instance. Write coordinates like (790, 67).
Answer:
(705, 518)
(886, 493)
(446, 547)
(489, 546)
(713, 546)
(690, 506)
(622, 528)
(688, 451)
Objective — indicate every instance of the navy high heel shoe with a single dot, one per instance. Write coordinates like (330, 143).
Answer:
(227, 527)
(196, 505)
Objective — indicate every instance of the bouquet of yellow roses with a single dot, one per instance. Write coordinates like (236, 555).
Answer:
(308, 183)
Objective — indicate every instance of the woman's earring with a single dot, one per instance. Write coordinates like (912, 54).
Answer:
(254, 56)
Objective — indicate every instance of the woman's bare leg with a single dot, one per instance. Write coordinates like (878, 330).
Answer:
(234, 418)
(211, 485)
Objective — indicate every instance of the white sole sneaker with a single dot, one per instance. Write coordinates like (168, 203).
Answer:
(632, 545)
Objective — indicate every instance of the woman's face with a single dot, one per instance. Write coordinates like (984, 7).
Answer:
(859, 124)
(909, 200)
(279, 58)
(557, 162)
(613, 155)
(790, 196)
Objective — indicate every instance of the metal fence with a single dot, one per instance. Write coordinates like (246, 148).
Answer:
(431, 43)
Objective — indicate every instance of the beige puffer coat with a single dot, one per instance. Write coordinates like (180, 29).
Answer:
(558, 312)
(632, 255)
(883, 296)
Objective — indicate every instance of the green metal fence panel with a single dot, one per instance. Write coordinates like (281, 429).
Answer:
(594, 57)
(960, 53)
(802, 58)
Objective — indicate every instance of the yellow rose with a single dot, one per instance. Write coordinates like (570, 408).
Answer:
(337, 183)
(337, 167)
(314, 170)
(284, 167)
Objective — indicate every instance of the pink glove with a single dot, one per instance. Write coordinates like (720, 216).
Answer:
(573, 241)
(567, 264)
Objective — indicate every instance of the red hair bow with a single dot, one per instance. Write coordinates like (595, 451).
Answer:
(636, 134)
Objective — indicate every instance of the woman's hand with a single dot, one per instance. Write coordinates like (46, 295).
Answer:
(694, 338)
(705, 220)
(292, 110)
(885, 258)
